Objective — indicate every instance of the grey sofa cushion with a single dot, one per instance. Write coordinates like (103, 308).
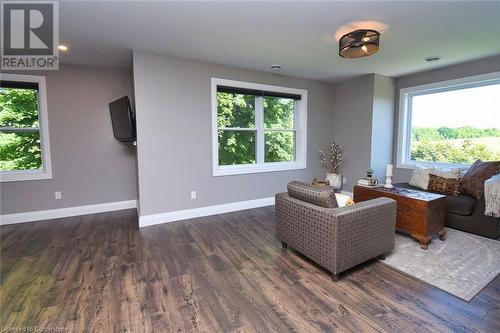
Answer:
(461, 204)
(320, 196)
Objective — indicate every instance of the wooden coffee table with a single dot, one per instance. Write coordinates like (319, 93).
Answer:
(419, 214)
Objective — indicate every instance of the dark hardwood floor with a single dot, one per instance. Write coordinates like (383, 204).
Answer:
(224, 273)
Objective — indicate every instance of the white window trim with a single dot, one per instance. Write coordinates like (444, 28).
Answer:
(404, 124)
(46, 171)
(300, 125)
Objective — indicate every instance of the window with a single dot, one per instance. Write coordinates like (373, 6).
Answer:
(24, 136)
(257, 128)
(450, 123)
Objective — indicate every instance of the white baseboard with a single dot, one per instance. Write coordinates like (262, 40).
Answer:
(177, 215)
(65, 212)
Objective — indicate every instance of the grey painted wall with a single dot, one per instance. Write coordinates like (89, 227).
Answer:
(352, 125)
(173, 101)
(382, 124)
(88, 165)
(477, 67)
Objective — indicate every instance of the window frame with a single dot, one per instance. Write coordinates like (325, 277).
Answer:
(403, 159)
(300, 129)
(46, 171)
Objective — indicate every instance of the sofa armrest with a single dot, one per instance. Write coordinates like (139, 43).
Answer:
(364, 231)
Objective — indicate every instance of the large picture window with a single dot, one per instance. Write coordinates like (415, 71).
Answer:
(450, 123)
(24, 146)
(257, 128)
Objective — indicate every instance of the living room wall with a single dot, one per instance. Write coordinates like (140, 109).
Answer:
(173, 100)
(471, 68)
(88, 165)
(363, 121)
(352, 126)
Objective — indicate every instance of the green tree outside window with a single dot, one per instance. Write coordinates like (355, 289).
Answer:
(237, 129)
(19, 130)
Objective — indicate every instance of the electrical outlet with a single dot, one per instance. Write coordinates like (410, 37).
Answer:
(344, 180)
(58, 195)
(193, 195)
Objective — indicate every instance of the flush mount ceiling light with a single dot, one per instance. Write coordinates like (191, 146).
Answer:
(275, 67)
(359, 43)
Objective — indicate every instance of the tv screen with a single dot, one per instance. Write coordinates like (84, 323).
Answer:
(123, 120)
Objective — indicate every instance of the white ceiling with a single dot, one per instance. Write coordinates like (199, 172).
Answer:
(298, 35)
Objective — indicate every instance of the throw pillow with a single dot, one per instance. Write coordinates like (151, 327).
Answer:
(443, 185)
(320, 196)
(420, 176)
(472, 183)
(343, 200)
(447, 173)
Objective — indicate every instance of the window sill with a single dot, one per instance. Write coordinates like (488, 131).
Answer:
(19, 176)
(411, 165)
(253, 168)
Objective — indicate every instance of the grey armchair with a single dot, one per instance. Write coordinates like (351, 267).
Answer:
(309, 220)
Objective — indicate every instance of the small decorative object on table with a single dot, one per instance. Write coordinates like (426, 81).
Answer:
(388, 175)
(333, 163)
(319, 183)
(369, 173)
(368, 181)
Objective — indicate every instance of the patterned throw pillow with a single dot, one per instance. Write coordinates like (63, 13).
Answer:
(472, 183)
(443, 185)
(320, 196)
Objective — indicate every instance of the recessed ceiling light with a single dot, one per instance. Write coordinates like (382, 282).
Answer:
(275, 66)
(62, 47)
(432, 58)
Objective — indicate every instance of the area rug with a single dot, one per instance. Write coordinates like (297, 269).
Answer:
(462, 265)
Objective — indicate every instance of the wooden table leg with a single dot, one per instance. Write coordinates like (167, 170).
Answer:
(424, 241)
(442, 234)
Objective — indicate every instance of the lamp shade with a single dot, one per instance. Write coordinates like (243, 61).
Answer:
(359, 43)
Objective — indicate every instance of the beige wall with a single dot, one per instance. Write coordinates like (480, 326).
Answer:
(173, 100)
(88, 165)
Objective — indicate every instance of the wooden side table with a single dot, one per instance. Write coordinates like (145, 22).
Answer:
(419, 214)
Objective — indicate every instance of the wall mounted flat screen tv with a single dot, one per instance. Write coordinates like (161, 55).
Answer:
(123, 120)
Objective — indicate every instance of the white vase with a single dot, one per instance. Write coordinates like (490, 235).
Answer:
(335, 180)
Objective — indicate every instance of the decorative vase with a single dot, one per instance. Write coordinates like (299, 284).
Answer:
(335, 180)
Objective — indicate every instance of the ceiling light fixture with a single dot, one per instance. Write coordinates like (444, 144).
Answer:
(62, 47)
(432, 58)
(275, 66)
(359, 43)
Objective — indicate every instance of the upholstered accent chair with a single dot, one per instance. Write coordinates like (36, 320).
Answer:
(309, 220)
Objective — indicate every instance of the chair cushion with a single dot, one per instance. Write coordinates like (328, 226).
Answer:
(320, 196)
(461, 204)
